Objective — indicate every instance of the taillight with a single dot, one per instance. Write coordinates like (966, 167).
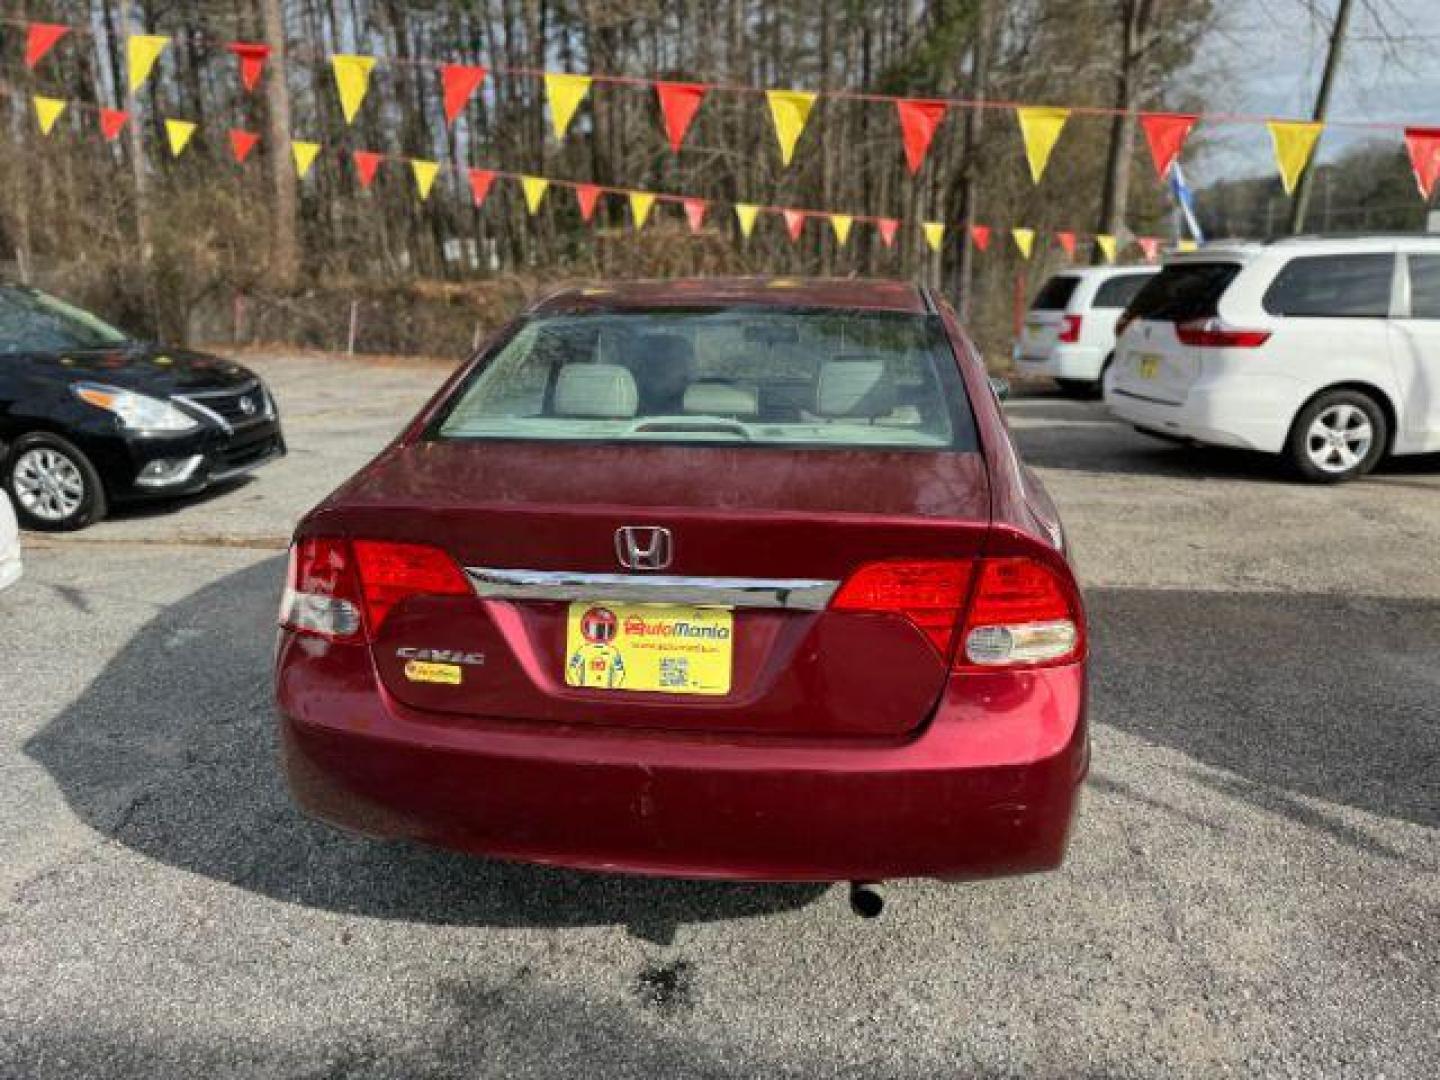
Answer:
(321, 595)
(332, 581)
(1214, 334)
(1022, 612)
(1070, 329)
(931, 594)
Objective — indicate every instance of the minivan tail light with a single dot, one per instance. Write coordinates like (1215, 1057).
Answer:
(391, 572)
(1070, 329)
(321, 595)
(1024, 613)
(1214, 334)
(929, 593)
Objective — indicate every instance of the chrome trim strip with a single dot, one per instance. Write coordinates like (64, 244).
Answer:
(795, 594)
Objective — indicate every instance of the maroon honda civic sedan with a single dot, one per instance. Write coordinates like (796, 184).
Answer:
(715, 578)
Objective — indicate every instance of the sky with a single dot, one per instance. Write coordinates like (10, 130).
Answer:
(1268, 60)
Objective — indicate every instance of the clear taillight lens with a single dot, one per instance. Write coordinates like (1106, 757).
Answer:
(1025, 613)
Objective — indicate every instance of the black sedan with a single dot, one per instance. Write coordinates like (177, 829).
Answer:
(90, 417)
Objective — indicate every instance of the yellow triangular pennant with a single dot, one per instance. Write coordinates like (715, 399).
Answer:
(141, 52)
(640, 203)
(565, 92)
(1024, 240)
(534, 188)
(1106, 243)
(841, 224)
(746, 215)
(47, 111)
(1040, 128)
(789, 109)
(352, 80)
(304, 154)
(178, 132)
(1294, 143)
(934, 234)
(425, 173)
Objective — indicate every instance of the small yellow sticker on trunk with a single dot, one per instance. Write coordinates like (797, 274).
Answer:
(424, 671)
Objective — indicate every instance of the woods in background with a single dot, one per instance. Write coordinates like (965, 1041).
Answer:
(167, 244)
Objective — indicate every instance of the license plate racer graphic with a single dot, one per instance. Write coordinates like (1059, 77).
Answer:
(659, 648)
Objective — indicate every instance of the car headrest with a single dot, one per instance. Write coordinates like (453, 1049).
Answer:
(854, 386)
(598, 391)
(665, 350)
(721, 399)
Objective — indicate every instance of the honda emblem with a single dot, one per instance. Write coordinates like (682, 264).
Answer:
(644, 547)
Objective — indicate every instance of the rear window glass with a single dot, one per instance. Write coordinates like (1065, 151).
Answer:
(1055, 294)
(1333, 287)
(1119, 291)
(761, 376)
(1184, 291)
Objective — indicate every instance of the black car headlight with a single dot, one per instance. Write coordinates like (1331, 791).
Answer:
(138, 412)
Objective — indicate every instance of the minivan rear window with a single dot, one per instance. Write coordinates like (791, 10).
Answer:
(1184, 291)
(1055, 293)
(749, 376)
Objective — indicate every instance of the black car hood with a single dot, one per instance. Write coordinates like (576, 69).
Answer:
(150, 369)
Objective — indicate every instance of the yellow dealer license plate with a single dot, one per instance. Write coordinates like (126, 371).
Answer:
(661, 648)
(1149, 366)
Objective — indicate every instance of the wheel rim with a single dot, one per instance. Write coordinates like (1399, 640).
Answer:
(48, 484)
(1339, 438)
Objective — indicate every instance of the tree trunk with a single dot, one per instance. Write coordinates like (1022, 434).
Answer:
(284, 238)
(1137, 17)
(968, 203)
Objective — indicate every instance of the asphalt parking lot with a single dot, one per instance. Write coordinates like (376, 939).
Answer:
(1253, 889)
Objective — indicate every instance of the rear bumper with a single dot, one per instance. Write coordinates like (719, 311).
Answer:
(1082, 362)
(989, 787)
(1252, 413)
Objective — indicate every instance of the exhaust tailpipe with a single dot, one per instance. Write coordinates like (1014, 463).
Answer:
(867, 898)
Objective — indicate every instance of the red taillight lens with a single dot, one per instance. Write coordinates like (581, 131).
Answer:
(1024, 614)
(930, 593)
(331, 581)
(392, 572)
(1070, 329)
(321, 597)
(1213, 334)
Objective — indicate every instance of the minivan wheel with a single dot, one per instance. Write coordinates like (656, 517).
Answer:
(52, 484)
(1338, 436)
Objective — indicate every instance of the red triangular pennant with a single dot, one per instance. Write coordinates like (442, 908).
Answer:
(460, 82)
(1424, 147)
(40, 38)
(587, 195)
(1067, 242)
(1166, 132)
(252, 56)
(1150, 245)
(367, 164)
(241, 143)
(112, 122)
(980, 237)
(695, 213)
(918, 121)
(794, 222)
(678, 103)
(480, 181)
(887, 227)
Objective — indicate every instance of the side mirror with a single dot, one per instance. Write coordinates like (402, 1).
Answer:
(1000, 387)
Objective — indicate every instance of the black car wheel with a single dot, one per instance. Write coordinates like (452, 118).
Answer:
(52, 484)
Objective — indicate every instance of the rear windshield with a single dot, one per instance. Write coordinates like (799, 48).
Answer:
(31, 322)
(1117, 292)
(1055, 294)
(1184, 291)
(762, 376)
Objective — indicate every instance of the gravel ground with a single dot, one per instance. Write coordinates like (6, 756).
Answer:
(1252, 890)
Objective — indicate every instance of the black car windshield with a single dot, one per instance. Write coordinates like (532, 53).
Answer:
(762, 376)
(32, 322)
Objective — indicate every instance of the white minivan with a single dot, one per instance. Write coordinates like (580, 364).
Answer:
(1069, 333)
(1324, 350)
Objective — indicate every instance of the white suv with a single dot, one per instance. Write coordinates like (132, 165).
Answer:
(1069, 333)
(1326, 351)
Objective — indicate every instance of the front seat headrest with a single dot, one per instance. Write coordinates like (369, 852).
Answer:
(854, 387)
(597, 391)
